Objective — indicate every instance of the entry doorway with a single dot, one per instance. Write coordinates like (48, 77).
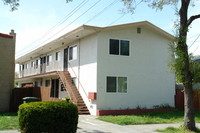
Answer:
(66, 59)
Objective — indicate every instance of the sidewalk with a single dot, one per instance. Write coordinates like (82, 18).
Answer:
(89, 124)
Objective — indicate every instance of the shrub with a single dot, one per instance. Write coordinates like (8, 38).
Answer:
(48, 117)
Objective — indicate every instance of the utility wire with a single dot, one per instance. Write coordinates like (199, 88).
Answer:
(104, 9)
(72, 21)
(58, 24)
(116, 19)
(192, 36)
(196, 49)
(194, 41)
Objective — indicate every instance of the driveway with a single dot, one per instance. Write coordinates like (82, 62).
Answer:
(89, 124)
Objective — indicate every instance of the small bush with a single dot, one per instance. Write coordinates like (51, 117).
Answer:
(48, 117)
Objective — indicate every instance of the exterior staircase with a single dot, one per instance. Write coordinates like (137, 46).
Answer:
(70, 87)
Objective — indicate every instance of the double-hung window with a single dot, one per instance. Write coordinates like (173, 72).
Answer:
(73, 53)
(57, 56)
(116, 84)
(119, 47)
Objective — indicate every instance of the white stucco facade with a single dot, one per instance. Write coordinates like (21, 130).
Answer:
(149, 81)
(146, 68)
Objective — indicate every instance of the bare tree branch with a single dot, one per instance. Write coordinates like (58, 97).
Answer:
(192, 18)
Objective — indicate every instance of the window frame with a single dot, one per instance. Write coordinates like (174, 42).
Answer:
(57, 58)
(72, 57)
(47, 60)
(117, 84)
(119, 52)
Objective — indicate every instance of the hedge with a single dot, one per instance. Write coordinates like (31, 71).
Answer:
(48, 117)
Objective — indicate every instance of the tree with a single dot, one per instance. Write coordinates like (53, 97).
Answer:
(12, 3)
(183, 66)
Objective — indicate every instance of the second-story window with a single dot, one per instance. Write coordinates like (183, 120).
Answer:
(32, 64)
(119, 47)
(23, 67)
(48, 60)
(73, 53)
(26, 66)
(36, 64)
(57, 56)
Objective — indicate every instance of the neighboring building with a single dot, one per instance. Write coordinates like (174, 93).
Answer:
(7, 69)
(197, 58)
(114, 68)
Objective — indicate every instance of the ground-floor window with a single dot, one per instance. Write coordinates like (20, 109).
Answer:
(116, 84)
(47, 83)
(54, 88)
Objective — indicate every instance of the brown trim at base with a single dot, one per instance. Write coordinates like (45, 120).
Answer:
(131, 111)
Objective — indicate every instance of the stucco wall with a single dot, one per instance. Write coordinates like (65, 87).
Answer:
(7, 69)
(88, 70)
(149, 80)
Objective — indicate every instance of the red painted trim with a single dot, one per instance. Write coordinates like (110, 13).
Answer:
(131, 111)
(5, 35)
(92, 95)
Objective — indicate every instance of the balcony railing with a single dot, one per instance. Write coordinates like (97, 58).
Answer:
(40, 69)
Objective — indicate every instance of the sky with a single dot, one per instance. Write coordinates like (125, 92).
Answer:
(37, 22)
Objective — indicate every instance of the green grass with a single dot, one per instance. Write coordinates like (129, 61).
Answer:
(8, 121)
(149, 118)
(177, 130)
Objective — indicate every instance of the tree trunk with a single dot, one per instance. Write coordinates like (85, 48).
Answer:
(182, 52)
(189, 114)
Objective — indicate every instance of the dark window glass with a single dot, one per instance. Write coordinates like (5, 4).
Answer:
(124, 47)
(54, 88)
(36, 63)
(47, 60)
(56, 55)
(73, 53)
(114, 46)
(47, 83)
(70, 53)
(111, 84)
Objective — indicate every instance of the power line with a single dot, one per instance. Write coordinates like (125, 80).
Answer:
(107, 7)
(72, 21)
(104, 9)
(194, 41)
(196, 49)
(116, 19)
(58, 24)
(192, 36)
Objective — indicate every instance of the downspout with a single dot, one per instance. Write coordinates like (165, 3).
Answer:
(79, 63)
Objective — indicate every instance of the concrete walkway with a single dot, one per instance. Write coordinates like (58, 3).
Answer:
(89, 124)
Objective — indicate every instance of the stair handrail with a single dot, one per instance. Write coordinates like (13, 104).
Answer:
(78, 79)
(68, 89)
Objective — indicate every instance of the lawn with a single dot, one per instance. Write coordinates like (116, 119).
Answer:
(177, 130)
(8, 121)
(149, 118)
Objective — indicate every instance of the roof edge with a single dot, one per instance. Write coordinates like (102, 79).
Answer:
(142, 23)
(5, 35)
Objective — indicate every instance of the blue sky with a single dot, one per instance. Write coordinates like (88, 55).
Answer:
(34, 19)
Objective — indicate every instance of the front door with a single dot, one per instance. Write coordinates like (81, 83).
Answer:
(66, 59)
(43, 64)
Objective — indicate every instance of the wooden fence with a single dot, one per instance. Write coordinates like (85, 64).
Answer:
(179, 99)
(18, 93)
